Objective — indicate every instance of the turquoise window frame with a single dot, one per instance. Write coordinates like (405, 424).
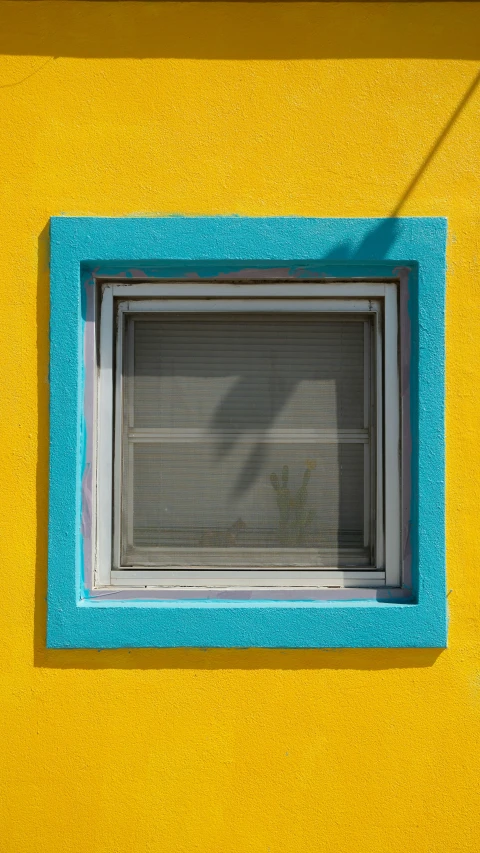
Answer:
(207, 247)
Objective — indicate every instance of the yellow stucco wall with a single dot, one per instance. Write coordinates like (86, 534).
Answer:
(205, 108)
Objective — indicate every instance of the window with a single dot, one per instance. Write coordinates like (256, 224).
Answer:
(255, 441)
(277, 482)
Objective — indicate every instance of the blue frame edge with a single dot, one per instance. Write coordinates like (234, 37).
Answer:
(347, 247)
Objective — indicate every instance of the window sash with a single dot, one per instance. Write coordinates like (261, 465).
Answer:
(381, 305)
(255, 558)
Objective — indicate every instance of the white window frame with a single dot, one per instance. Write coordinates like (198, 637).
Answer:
(378, 298)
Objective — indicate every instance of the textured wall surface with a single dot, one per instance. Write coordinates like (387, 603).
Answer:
(257, 109)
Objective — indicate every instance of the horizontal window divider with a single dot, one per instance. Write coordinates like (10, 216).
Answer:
(318, 436)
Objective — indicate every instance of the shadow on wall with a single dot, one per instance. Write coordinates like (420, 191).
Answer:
(241, 30)
(251, 31)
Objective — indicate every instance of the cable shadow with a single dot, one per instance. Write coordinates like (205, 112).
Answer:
(376, 244)
(28, 76)
(437, 144)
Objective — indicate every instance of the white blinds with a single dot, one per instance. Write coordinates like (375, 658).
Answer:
(246, 441)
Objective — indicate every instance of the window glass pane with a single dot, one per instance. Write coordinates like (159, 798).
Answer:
(246, 441)
(250, 373)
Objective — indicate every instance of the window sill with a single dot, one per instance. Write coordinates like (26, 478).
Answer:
(107, 623)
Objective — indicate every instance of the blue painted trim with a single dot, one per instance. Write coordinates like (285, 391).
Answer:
(208, 246)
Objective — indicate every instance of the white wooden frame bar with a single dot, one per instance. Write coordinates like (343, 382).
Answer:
(252, 290)
(392, 459)
(301, 436)
(210, 305)
(104, 449)
(376, 298)
(223, 580)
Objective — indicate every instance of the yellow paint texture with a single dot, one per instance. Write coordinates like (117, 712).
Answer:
(311, 109)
